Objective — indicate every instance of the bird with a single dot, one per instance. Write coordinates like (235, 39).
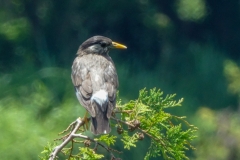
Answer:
(95, 80)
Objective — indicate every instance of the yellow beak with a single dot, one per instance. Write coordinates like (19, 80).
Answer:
(118, 45)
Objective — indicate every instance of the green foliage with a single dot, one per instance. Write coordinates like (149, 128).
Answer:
(15, 29)
(32, 112)
(167, 139)
(84, 153)
(108, 139)
(189, 10)
(129, 141)
(144, 117)
(232, 73)
(88, 154)
(47, 150)
(218, 135)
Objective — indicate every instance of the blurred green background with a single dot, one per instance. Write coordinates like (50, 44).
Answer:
(188, 47)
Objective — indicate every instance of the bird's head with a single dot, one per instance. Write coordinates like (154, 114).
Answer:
(98, 45)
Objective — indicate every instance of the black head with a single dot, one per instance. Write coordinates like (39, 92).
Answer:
(98, 45)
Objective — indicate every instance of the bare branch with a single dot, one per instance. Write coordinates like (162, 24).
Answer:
(69, 137)
(77, 124)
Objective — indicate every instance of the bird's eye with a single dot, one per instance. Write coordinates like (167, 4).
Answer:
(103, 44)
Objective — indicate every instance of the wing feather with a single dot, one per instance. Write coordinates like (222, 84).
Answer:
(82, 82)
(111, 83)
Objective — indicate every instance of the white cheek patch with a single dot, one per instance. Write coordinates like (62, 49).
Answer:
(94, 48)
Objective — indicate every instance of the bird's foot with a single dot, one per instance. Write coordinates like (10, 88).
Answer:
(86, 120)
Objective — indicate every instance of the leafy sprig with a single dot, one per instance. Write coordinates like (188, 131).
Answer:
(135, 120)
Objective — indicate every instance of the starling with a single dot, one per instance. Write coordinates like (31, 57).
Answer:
(95, 81)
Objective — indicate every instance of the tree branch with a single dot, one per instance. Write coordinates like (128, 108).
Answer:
(171, 141)
(143, 131)
(96, 143)
(68, 138)
(78, 123)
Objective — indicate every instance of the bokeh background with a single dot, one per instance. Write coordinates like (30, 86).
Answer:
(188, 47)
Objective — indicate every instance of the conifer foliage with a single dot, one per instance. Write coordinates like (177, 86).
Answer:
(170, 135)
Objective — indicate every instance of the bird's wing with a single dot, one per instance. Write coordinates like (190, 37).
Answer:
(82, 82)
(111, 83)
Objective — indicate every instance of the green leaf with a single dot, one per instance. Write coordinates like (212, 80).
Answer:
(108, 139)
(47, 151)
(129, 141)
(89, 154)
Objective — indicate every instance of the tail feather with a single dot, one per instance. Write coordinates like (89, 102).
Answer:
(100, 123)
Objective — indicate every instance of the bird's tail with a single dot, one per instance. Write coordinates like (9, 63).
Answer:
(100, 123)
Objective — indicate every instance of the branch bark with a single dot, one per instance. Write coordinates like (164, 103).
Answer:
(77, 124)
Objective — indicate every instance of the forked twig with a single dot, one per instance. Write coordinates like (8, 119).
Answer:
(73, 134)
(77, 124)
